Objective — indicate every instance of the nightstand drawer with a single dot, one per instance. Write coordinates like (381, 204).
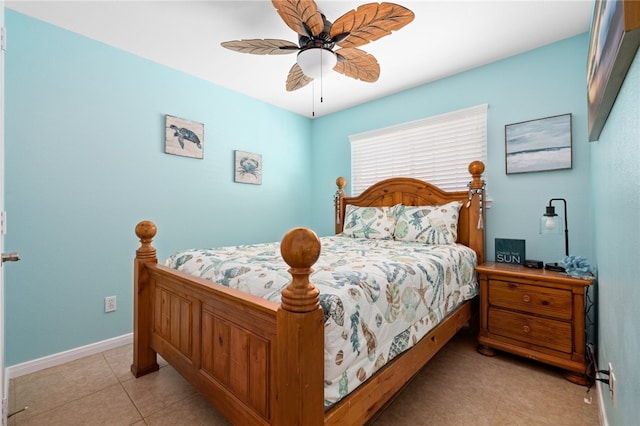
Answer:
(550, 302)
(542, 332)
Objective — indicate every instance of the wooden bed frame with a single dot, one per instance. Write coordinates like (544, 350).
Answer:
(260, 362)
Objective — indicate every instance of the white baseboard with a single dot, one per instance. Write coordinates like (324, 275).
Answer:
(602, 411)
(66, 356)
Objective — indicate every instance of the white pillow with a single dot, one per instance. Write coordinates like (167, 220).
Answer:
(428, 224)
(369, 222)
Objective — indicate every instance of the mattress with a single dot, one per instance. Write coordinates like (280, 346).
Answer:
(379, 297)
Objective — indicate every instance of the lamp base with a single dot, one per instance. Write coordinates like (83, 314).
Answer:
(554, 267)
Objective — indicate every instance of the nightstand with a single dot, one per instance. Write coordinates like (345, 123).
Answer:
(534, 313)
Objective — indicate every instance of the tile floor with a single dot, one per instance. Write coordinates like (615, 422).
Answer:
(458, 387)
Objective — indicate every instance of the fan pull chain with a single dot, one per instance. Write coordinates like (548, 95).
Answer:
(321, 75)
(313, 98)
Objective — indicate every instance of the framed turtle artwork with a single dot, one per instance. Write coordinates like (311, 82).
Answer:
(248, 167)
(183, 137)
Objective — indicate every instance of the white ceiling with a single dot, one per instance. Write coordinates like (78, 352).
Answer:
(446, 37)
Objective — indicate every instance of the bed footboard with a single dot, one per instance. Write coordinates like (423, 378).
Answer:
(258, 362)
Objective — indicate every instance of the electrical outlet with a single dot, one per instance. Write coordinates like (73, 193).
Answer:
(612, 385)
(110, 304)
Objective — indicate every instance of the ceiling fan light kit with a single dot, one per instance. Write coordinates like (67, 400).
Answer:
(317, 38)
(317, 62)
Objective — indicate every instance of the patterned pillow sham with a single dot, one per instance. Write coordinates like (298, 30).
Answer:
(436, 225)
(369, 222)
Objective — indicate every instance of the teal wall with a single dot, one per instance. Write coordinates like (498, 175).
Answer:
(85, 162)
(615, 182)
(547, 81)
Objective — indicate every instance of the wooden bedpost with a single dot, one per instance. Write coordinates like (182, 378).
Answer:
(144, 358)
(476, 209)
(338, 204)
(300, 336)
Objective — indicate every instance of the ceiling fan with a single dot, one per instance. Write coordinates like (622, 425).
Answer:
(317, 38)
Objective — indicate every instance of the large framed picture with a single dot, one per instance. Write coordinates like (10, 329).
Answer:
(538, 145)
(615, 37)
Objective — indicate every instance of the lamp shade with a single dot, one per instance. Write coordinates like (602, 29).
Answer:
(550, 222)
(317, 62)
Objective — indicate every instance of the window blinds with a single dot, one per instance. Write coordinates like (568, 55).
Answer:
(436, 149)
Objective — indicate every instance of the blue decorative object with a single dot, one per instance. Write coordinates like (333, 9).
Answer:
(578, 267)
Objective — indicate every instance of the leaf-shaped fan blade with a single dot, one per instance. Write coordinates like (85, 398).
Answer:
(358, 64)
(296, 78)
(368, 23)
(257, 46)
(298, 14)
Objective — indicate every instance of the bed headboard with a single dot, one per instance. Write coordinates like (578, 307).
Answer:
(414, 192)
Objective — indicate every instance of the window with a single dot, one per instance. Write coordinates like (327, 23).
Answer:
(436, 149)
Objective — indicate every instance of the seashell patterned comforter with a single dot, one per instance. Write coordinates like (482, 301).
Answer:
(379, 296)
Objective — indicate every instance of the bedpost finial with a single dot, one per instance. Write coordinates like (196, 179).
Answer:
(341, 182)
(476, 168)
(146, 230)
(300, 248)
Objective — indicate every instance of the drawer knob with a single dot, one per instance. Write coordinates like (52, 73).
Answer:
(526, 298)
(526, 328)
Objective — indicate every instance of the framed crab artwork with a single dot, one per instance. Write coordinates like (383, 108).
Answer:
(248, 167)
(183, 137)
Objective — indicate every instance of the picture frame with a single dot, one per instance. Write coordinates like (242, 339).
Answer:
(247, 167)
(539, 145)
(510, 251)
(615, 38)
(183, 137)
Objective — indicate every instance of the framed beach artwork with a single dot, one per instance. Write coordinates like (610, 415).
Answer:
(183, 137)
(248, 167)
(538, 145)
(615, 37)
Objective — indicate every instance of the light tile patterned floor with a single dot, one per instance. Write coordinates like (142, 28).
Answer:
(458, 387)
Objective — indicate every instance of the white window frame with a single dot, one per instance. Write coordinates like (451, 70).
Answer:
(435, 149)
